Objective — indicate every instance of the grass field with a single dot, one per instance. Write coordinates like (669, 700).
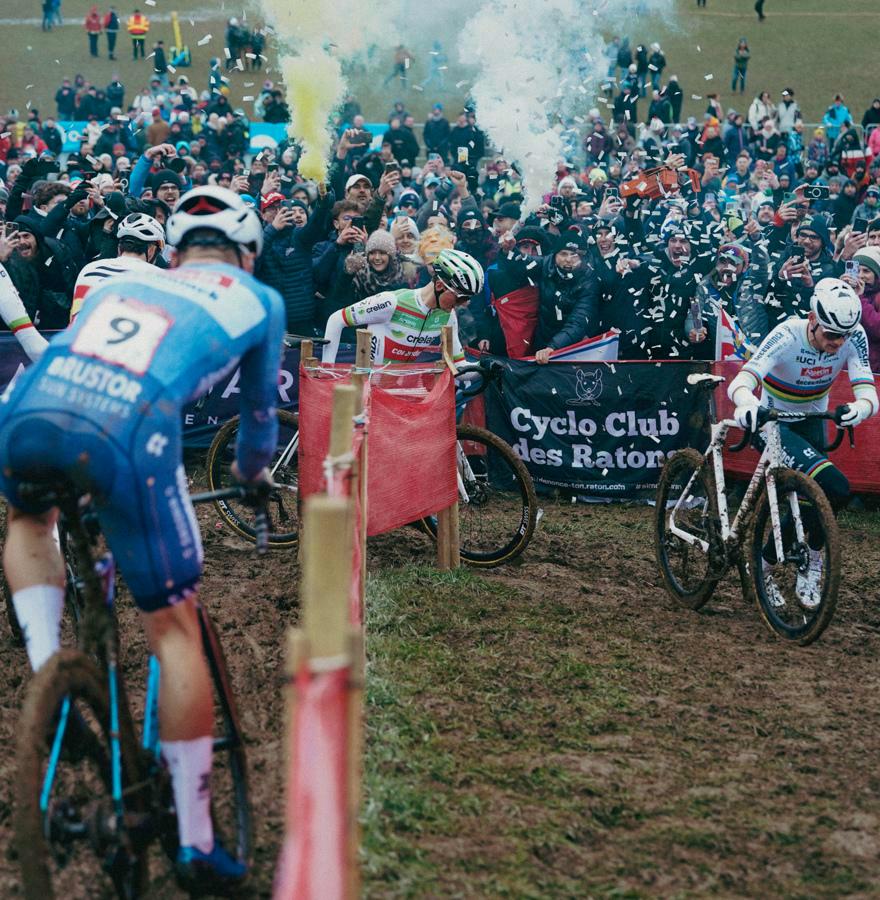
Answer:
(815, 47)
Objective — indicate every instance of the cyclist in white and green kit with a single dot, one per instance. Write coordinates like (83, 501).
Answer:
(406, 323)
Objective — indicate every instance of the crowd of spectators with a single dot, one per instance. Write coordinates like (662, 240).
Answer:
(753, 218)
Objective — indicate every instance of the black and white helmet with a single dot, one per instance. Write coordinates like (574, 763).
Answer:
(836, 306)
(459, 271)
(143, 227)
(216, 209)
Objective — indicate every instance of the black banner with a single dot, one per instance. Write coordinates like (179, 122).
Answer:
(599, 429)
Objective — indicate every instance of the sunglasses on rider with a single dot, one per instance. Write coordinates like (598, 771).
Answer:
(834, 335)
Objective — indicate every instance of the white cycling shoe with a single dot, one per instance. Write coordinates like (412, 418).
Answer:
(809, 583)
(771, 588)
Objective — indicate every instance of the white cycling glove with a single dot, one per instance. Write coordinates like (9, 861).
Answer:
(746, 414)
(856, 412)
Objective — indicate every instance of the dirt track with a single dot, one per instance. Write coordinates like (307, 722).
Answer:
(727, 764)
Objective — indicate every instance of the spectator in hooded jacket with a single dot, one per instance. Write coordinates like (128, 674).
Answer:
(760, 109)
(656, 65)
(788, 113)
(741, 57)
(436, 133)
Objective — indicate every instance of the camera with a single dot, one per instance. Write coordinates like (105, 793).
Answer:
(557, 202)
(357, 222)
(392, 167)
(272, 167)
(816, 192)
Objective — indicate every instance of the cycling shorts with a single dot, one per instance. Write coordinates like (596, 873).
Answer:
(141, 498)
(800, 441)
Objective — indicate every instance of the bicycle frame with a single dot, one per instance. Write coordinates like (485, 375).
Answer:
(770, 461)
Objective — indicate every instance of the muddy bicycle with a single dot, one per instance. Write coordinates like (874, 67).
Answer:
(90, 798)
(498, 507)
(783, 523)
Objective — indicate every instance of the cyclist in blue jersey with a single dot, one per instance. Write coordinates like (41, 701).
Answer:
(102, 408)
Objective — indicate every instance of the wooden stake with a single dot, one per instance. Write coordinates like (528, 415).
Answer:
(306, 350)
(345, 398)
(446, 345)
(328, 540)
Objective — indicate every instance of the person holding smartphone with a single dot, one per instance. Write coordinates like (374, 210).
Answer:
(286, 261)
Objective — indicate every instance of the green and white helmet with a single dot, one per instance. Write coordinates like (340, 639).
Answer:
(459, 272)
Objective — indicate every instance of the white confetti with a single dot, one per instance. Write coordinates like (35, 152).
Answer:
(709, 77)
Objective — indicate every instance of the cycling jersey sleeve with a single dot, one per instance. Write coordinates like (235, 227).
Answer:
(457, 350)
(374, 310)
(18, 321)
(859, 369)
(780, 344)
(258, 433)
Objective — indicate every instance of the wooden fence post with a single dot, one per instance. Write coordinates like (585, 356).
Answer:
(448, 551)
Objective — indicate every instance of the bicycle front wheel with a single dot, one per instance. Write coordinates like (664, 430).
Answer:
(497, 506)
(64, 790)
(283, 508)
(796, 594)
(685, 529)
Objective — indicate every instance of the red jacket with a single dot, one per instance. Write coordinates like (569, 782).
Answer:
(93, 21)
(871, 324)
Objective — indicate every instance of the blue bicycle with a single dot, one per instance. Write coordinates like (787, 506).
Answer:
(84, 780)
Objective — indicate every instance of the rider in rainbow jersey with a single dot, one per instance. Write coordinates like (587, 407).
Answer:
(795, 366)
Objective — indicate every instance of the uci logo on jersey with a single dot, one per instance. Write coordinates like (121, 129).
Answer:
(816, 371)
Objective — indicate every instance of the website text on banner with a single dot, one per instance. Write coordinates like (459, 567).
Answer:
(861, 464)
(599, 429)
(411, 463)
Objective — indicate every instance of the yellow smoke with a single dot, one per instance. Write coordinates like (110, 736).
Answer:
(312, 74)
(314, 85)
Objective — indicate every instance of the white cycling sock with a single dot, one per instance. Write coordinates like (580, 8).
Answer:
(189, 763)
(39, 610)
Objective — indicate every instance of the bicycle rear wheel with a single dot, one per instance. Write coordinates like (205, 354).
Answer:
(230, 797)
(687, 492)
(63, 790)
(497, 515)
(283, 508)
(787, 607)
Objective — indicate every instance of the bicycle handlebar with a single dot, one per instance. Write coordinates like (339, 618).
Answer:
(295, 340)
(777, 415)
(487, 370)
(255, 495)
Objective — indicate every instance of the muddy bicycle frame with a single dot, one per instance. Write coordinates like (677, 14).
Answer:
(771, 460)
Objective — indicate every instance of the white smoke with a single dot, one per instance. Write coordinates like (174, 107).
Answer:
(537, 62)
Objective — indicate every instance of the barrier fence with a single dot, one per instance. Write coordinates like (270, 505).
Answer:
(358, 430)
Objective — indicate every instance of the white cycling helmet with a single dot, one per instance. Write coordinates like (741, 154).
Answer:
(836, 306)
(459, 271)
(143, 227)
(216, 209)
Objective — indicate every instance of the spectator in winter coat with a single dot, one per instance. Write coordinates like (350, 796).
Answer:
(761, 108)
(568, 293)
(735, 139)
(93, 27)
(788, 113)
(872, 115)
(65, 100)
(112, 28)
(675, 95)
(286, 260)
(741, 57)
(818, 150)
(436, 133)
(868, 287)
(869, 208)
(656, 65)
(836, 116)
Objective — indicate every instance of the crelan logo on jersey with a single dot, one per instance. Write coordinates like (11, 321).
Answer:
(816, 371)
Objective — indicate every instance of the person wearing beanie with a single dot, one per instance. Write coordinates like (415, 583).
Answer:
(475, 238)
(803, 264)
(166, 186)
(286, 261)
(867, 286)
(376, 269)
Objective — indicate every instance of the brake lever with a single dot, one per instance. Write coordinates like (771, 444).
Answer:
(852, 437)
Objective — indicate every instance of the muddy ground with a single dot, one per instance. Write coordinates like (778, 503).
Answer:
(641, 749)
